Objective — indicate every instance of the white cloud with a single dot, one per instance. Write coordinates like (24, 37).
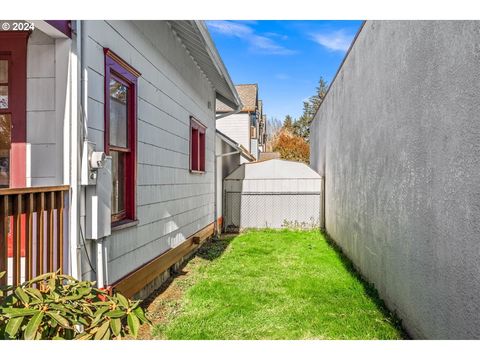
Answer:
(335, 41)
(282, 76)
(259, 43)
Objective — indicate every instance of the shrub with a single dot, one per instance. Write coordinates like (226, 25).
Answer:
(54, 306)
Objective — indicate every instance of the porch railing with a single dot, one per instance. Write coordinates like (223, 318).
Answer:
(32, 228)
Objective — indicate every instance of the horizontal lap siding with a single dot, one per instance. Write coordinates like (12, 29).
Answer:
(172, 203)
(42, 136)
(236, 127)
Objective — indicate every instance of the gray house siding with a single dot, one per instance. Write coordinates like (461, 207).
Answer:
(398, 140)
(47, 113)
(172, 203)
(237, 127)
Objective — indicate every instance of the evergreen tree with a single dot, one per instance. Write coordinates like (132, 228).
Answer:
(302, 126)
(288, 123)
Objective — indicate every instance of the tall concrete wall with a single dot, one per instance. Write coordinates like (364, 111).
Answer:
(398, 140)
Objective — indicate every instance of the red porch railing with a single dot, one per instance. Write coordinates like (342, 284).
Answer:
(32, 226)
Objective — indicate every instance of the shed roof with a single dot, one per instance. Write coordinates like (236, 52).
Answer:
(273, 169)
(248, 94)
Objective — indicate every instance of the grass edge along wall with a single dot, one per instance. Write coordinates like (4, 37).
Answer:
(397, 141)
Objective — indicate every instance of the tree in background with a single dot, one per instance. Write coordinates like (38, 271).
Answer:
(291, 139)
(288, 123)
(301, 127)
(291, 146)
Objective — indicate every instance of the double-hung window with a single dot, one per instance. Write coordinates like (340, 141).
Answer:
(197, 145)
(120, 134)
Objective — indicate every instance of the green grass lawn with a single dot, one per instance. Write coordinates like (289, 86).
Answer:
(275, 285)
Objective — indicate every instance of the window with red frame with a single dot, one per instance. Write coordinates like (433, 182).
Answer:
(197, 145)
(120, 134)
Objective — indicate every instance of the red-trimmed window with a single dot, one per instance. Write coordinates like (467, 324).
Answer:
(197, 145)
(121, 134)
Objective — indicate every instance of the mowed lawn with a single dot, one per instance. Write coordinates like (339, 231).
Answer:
(274, 285)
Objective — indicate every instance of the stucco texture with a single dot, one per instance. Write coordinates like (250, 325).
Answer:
(398, 140)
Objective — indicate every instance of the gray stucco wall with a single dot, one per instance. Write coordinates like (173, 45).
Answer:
(398, 140)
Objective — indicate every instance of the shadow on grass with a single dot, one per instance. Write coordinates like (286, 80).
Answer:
(214, 247)
(369, 288)
(210, 250)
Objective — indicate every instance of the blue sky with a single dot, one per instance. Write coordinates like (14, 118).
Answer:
(285, 58)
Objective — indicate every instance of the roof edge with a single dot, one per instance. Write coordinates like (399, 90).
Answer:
(217, 61)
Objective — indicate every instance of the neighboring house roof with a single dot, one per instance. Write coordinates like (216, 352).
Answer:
(243, 151)
(194, 35)
(248, 95)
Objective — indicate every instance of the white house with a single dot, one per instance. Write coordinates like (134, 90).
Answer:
(115, 120)
(248, 126)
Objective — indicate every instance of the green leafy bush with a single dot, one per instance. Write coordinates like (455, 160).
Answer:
(54, 306)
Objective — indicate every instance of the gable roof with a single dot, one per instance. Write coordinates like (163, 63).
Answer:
(248, 94)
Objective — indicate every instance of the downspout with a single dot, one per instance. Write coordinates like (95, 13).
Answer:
(75, 120)
(217, 156)
(100, 277)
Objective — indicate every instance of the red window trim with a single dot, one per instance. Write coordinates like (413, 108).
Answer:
(13, 44)
(120, 70)
(200, 144)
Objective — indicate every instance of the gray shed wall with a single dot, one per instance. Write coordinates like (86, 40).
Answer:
(398, 140)
(272, 194)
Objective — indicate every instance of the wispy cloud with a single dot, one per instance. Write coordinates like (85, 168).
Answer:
(257, 42)
(276, 35)
(335, 41)
(282, 76)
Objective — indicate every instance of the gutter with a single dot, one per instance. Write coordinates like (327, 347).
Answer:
(222, 115)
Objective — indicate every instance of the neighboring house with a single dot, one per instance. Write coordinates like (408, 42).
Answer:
(248, 126)
(144, 94)
(262, 129)
(397, 140)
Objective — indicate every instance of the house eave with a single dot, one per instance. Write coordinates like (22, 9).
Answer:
(195, 37)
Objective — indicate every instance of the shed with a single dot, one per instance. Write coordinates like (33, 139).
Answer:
(272, 194)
